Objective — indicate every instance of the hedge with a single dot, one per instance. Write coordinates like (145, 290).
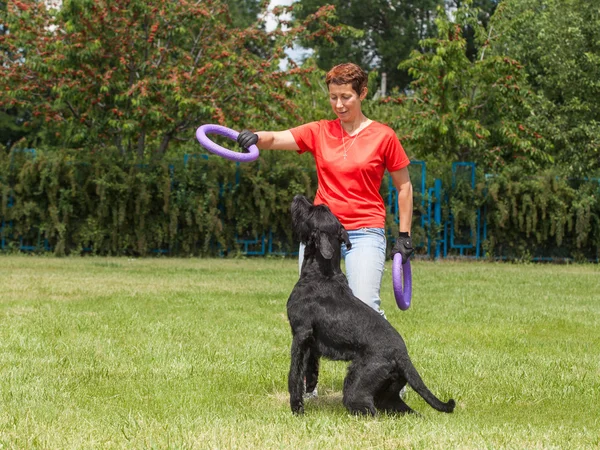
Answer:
(71, 202)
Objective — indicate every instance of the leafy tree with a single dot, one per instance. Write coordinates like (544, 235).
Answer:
(377, 33)
(463, 110)
(141, 75)
(485, 10)
(558, 42)
(11, 129)
(381, 34)
(244, 12)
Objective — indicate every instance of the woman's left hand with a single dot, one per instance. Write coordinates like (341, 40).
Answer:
(403, 246)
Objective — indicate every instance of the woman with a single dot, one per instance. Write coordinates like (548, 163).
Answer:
(352, 153)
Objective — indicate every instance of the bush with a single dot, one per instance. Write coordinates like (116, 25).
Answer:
(107, 204)
(103, 203)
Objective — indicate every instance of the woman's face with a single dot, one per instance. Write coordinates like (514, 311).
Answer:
(345, 102)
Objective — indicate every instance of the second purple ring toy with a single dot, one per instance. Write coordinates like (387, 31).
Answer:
(209, 145)
(402, 282)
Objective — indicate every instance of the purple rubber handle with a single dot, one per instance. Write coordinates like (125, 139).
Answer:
(209, 145)
(402, 290)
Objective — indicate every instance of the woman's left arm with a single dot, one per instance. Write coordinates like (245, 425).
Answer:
(401, 180)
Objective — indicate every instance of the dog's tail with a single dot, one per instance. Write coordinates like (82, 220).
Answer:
(414, 380)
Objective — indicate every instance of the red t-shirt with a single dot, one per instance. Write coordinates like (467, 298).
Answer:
(350, 187)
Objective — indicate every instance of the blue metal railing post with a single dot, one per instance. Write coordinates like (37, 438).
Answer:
(462, 247)
(437, 215)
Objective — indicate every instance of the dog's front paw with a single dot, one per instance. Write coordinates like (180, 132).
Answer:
(297, 407)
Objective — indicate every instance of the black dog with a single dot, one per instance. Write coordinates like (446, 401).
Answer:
(328, 320)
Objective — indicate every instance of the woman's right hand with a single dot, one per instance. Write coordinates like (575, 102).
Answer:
(247, 138)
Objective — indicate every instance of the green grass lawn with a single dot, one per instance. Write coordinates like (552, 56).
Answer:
(194, 353)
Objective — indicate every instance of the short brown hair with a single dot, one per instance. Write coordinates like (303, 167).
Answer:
(348, 73)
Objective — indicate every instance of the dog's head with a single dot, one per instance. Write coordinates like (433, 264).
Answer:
(316, 225)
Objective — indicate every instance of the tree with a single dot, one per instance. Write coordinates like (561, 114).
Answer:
(558, 42)
(377, 33)
(244, 13)
(11, 128)
(485, 10)
(380, 34)
(141, 75)
(11, 120)
(463, 110)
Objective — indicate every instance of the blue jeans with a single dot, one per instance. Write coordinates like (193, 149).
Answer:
(365, 263)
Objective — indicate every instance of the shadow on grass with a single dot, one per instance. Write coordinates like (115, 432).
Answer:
(327, 402)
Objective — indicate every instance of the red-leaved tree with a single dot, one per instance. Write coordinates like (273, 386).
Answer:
(141, 75)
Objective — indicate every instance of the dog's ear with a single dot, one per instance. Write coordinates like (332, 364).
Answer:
(324, 245)
(345, 238)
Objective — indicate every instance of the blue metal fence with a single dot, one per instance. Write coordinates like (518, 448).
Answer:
(441, 233)
(473, 244)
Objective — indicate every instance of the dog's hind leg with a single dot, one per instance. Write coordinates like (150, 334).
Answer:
(363, 381)
(388, 400)
(312, 370)
(301, 342)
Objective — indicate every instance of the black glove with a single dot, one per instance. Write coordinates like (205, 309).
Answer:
(403, 246)
(247, 138)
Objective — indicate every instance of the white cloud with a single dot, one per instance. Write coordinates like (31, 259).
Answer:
(271, 20)
(53, 4)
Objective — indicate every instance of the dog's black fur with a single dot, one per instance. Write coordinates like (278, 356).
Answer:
(328, 320)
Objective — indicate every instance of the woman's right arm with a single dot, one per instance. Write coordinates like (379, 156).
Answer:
(276, 140)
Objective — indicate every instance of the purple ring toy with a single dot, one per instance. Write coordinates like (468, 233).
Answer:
(209, 145)
(402, 290)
